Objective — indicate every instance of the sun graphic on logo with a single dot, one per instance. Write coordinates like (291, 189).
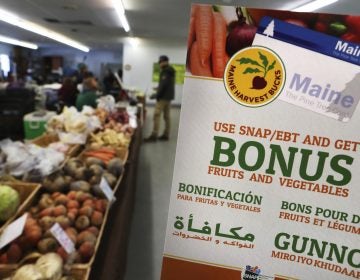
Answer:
(254, 76)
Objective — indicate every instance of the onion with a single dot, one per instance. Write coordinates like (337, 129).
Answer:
(240, 36)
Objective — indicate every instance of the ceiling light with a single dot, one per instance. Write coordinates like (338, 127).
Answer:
(38, 29)
(16, 42)
(120, 10)
(314, 5)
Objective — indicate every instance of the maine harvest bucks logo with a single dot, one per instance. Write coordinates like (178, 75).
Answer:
(254, 76)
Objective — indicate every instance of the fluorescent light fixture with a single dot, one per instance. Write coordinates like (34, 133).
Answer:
(16, 42)
(32, 27)
(120, 10)
(314, 5)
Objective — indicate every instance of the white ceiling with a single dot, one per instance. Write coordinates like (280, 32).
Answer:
(160, 20)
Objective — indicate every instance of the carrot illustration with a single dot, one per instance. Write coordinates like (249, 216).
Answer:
(191, 35)
(204, 31)
(218, 45)
(196, 67)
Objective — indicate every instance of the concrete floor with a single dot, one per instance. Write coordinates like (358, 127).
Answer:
(147, 235)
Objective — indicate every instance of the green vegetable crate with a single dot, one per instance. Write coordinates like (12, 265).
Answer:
(35, 123)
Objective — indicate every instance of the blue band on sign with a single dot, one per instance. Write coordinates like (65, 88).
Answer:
(310, 39)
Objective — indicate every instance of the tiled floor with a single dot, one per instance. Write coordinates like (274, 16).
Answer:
(152, 202)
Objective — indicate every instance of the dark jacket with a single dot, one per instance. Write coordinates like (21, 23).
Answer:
(67, 94)
(166, 88)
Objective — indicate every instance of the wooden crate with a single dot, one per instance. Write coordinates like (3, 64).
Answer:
(98, 240)
(33, 199)
(46, 139)
(77, 273)
(27, 192)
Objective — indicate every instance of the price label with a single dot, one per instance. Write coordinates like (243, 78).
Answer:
(104, 186)
(13, 231)
(62, 237)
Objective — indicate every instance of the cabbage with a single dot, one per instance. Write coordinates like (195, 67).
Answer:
(9, 202)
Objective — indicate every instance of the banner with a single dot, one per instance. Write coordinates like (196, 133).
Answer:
(266, 177)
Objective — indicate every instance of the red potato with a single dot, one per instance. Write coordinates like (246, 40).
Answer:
(218, 45)
(72, 204)
(196, 67)
(204, 32)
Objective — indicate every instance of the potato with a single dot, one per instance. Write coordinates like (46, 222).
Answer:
(86, 210)
(86, 251)
(96, 170)
(33, 235)
(110, 178)
(97, 218)
(47, 222)
(59, 210)
(85, 236)
(92, 160)
(115, 167)
(63, 221)
(80, 186)
(82, 222)
(72, 204)
(47, 245)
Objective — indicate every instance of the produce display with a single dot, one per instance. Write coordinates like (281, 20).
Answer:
(28, 161)
(73, 126)
(110, 137)
(73, 196)
(79, 213)
(217, 33)
(9, 202)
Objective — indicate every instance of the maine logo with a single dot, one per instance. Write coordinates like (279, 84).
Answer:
(254, 76)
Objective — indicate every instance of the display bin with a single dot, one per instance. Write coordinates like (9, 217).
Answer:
(35, 123)
(7, 270)
(27, 192)
(77, 266)
(46, 139)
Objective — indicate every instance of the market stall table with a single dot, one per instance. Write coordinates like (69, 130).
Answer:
(110, 261)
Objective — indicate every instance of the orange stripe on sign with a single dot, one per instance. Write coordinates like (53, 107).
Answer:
(175, 269)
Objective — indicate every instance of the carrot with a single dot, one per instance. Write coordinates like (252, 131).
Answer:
(102, 157)
(196, 67)
(106, 150)
(218, 45)
(99, 154)
(204, 31)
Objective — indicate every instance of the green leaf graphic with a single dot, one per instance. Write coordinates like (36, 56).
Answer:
(251, 70)
(245, 60)
(264, 59)
(271, 66)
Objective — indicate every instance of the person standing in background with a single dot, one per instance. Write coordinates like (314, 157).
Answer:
(165, 92)
(88, 94)
(68, 92)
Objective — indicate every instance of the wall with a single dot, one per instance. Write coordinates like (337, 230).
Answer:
(140, 59)
(93, 59)
(6, 49)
